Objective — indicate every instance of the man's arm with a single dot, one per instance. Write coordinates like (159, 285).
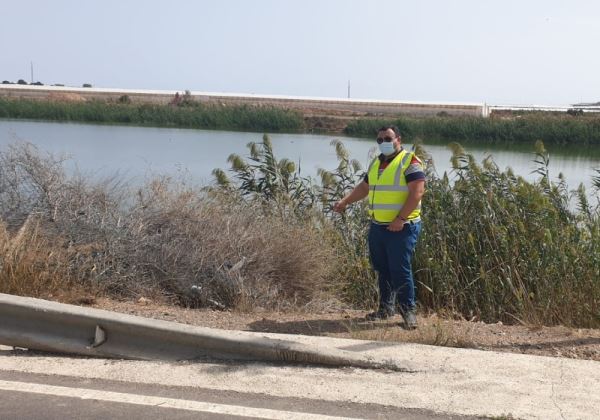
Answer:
(358, 193)
(416, 189)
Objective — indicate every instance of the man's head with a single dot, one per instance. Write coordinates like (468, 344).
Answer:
(389, 139)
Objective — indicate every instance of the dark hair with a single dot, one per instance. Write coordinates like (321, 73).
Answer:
(390, 127)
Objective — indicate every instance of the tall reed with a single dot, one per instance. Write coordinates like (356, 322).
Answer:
(523, 129)
(500, 248)
(197, 115)
(494, 246)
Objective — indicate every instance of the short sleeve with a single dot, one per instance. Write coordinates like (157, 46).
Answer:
(415, 170)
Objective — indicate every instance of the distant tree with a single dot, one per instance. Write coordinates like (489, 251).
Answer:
(575, 112)
(38, 84)
(176, 101)
(187, 99)
(6, 82)
(87, 85)
(124, 99)
(21, 82)
(58, 84)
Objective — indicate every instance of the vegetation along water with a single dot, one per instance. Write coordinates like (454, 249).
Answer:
(494, 246)
(185, 114)
(513, 128)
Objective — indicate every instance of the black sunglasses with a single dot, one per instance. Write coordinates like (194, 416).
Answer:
(386, 139)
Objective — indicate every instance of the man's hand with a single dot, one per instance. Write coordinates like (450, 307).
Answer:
(358, 193)
(397, 225)
(340, 206)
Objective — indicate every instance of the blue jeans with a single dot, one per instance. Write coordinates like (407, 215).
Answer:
(391, 255)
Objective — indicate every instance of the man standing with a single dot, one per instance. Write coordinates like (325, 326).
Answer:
(395, 183)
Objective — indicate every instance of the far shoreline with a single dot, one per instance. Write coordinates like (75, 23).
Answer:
(512, 129)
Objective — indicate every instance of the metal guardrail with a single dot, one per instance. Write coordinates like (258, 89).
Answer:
(49, 326)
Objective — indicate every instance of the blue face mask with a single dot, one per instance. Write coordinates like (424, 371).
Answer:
(387, 148)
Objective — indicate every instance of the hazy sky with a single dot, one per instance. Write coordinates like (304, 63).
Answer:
(509, 51)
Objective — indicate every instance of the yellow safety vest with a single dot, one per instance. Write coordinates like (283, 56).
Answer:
(388, 191)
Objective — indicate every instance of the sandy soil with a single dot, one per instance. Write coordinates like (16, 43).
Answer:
(548, 341)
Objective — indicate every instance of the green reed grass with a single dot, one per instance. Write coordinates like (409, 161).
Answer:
(556, 129)
(526, 128)
(500, 248)
(187, 115)
(494, 246)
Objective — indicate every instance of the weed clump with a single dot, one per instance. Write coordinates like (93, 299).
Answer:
(191, 246)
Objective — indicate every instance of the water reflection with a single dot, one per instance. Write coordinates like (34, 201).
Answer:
(137, 152)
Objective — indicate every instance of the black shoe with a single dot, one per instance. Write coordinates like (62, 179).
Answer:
(410, 319)
(379, 315)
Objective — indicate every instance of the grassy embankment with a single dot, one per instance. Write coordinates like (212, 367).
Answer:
(186, 114)
(525, 129)
(494, 247)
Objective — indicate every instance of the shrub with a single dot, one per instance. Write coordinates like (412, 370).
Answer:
(575, 112)
(31, 263)
(193, 247)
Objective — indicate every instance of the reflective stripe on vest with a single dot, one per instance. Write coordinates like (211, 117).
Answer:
(389, 187)
(387, 207)
(388, 191)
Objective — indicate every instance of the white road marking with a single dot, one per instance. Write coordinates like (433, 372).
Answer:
(189, 405)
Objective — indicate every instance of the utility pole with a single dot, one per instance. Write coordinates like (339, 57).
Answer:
(32, 72)
(348, 89)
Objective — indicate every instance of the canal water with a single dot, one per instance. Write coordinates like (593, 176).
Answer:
(138, 153)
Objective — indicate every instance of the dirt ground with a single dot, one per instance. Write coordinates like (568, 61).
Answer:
(547, 341)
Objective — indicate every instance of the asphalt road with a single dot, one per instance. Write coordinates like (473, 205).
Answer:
(444, 382)
(51, 397)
